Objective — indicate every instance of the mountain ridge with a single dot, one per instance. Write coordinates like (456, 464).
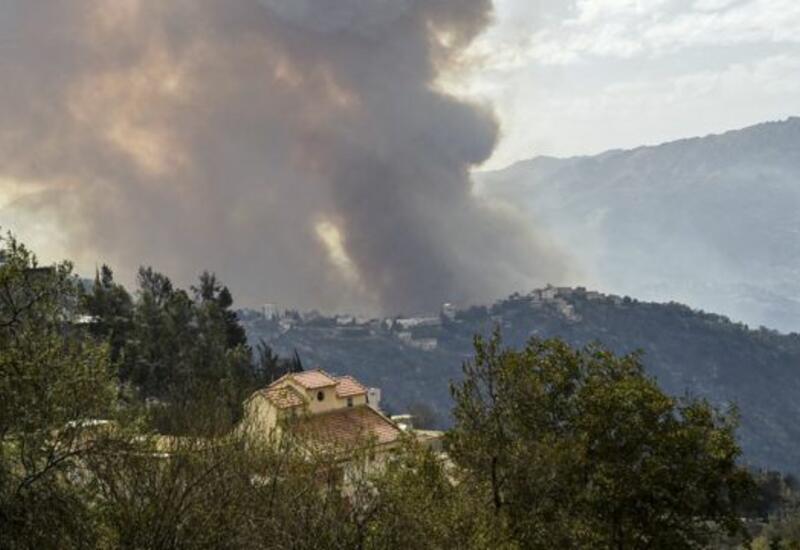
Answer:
(788, 121)
(713, 221)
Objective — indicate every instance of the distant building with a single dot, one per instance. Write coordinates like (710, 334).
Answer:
(286, 324)
(84, 320)
(374, 397)
(270, 311)
(548, 293)
(404, 421)
(449, 311)
(432, 439)
(425, 344)
(425, 321)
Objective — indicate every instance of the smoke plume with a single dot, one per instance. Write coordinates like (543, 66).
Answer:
(299, 148)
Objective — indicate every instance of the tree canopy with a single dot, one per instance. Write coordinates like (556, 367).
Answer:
(580, 449)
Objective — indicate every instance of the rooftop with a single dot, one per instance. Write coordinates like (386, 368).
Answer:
(347, 386)
(284, 396)
(346, 426)
(313, 379)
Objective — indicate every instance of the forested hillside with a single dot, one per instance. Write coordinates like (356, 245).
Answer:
(413, 360)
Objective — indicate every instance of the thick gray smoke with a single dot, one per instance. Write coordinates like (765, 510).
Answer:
(299, 148)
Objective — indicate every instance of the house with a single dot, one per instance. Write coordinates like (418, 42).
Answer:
(424, 321)
(332, 412)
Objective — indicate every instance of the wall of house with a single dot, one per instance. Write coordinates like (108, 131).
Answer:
(261, 416)
(329, 403)
(331, 400)
(357, 400)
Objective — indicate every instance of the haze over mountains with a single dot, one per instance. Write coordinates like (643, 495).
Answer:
(713, 222)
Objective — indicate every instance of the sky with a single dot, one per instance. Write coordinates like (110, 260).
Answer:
(574, 77)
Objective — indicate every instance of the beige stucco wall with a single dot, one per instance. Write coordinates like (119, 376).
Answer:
(331, 400)
(260, 417)
(328, 404)
(357, 400)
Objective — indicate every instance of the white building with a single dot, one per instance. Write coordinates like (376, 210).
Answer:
(270, 311)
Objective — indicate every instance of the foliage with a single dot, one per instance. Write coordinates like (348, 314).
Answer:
(54, 384)
(578, 448)
(270, 366)
(109, 308)
(423, 502)
(777, 503)
(173, 348)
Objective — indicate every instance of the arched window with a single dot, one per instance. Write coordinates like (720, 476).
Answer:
(320, 395)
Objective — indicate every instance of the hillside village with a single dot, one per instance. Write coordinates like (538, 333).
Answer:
(418, 331)
(414, 358)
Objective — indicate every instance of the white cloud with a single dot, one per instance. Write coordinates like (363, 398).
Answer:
(757, 21)
(582, 76)
(711, 5)
(590, 11)
(646, 110)
(626, 28)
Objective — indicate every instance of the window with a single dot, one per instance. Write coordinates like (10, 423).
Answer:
(320, 395)
(349, 401)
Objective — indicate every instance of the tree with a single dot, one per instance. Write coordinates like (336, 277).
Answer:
(57, 389)
(270, 366)
(182, 348)
(579, 448)
(295, 364)
(218, 299)
(110, 309)
(419, 504)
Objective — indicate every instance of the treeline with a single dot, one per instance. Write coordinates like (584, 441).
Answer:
(175, 349)
(774, 511)
(118, 429)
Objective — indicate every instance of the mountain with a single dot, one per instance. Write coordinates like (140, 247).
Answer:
(712, 221)
(414, 359)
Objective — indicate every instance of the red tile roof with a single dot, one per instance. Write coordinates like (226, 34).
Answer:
(347, 386)
(313, 379)
(348, 426)
(284, 396)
